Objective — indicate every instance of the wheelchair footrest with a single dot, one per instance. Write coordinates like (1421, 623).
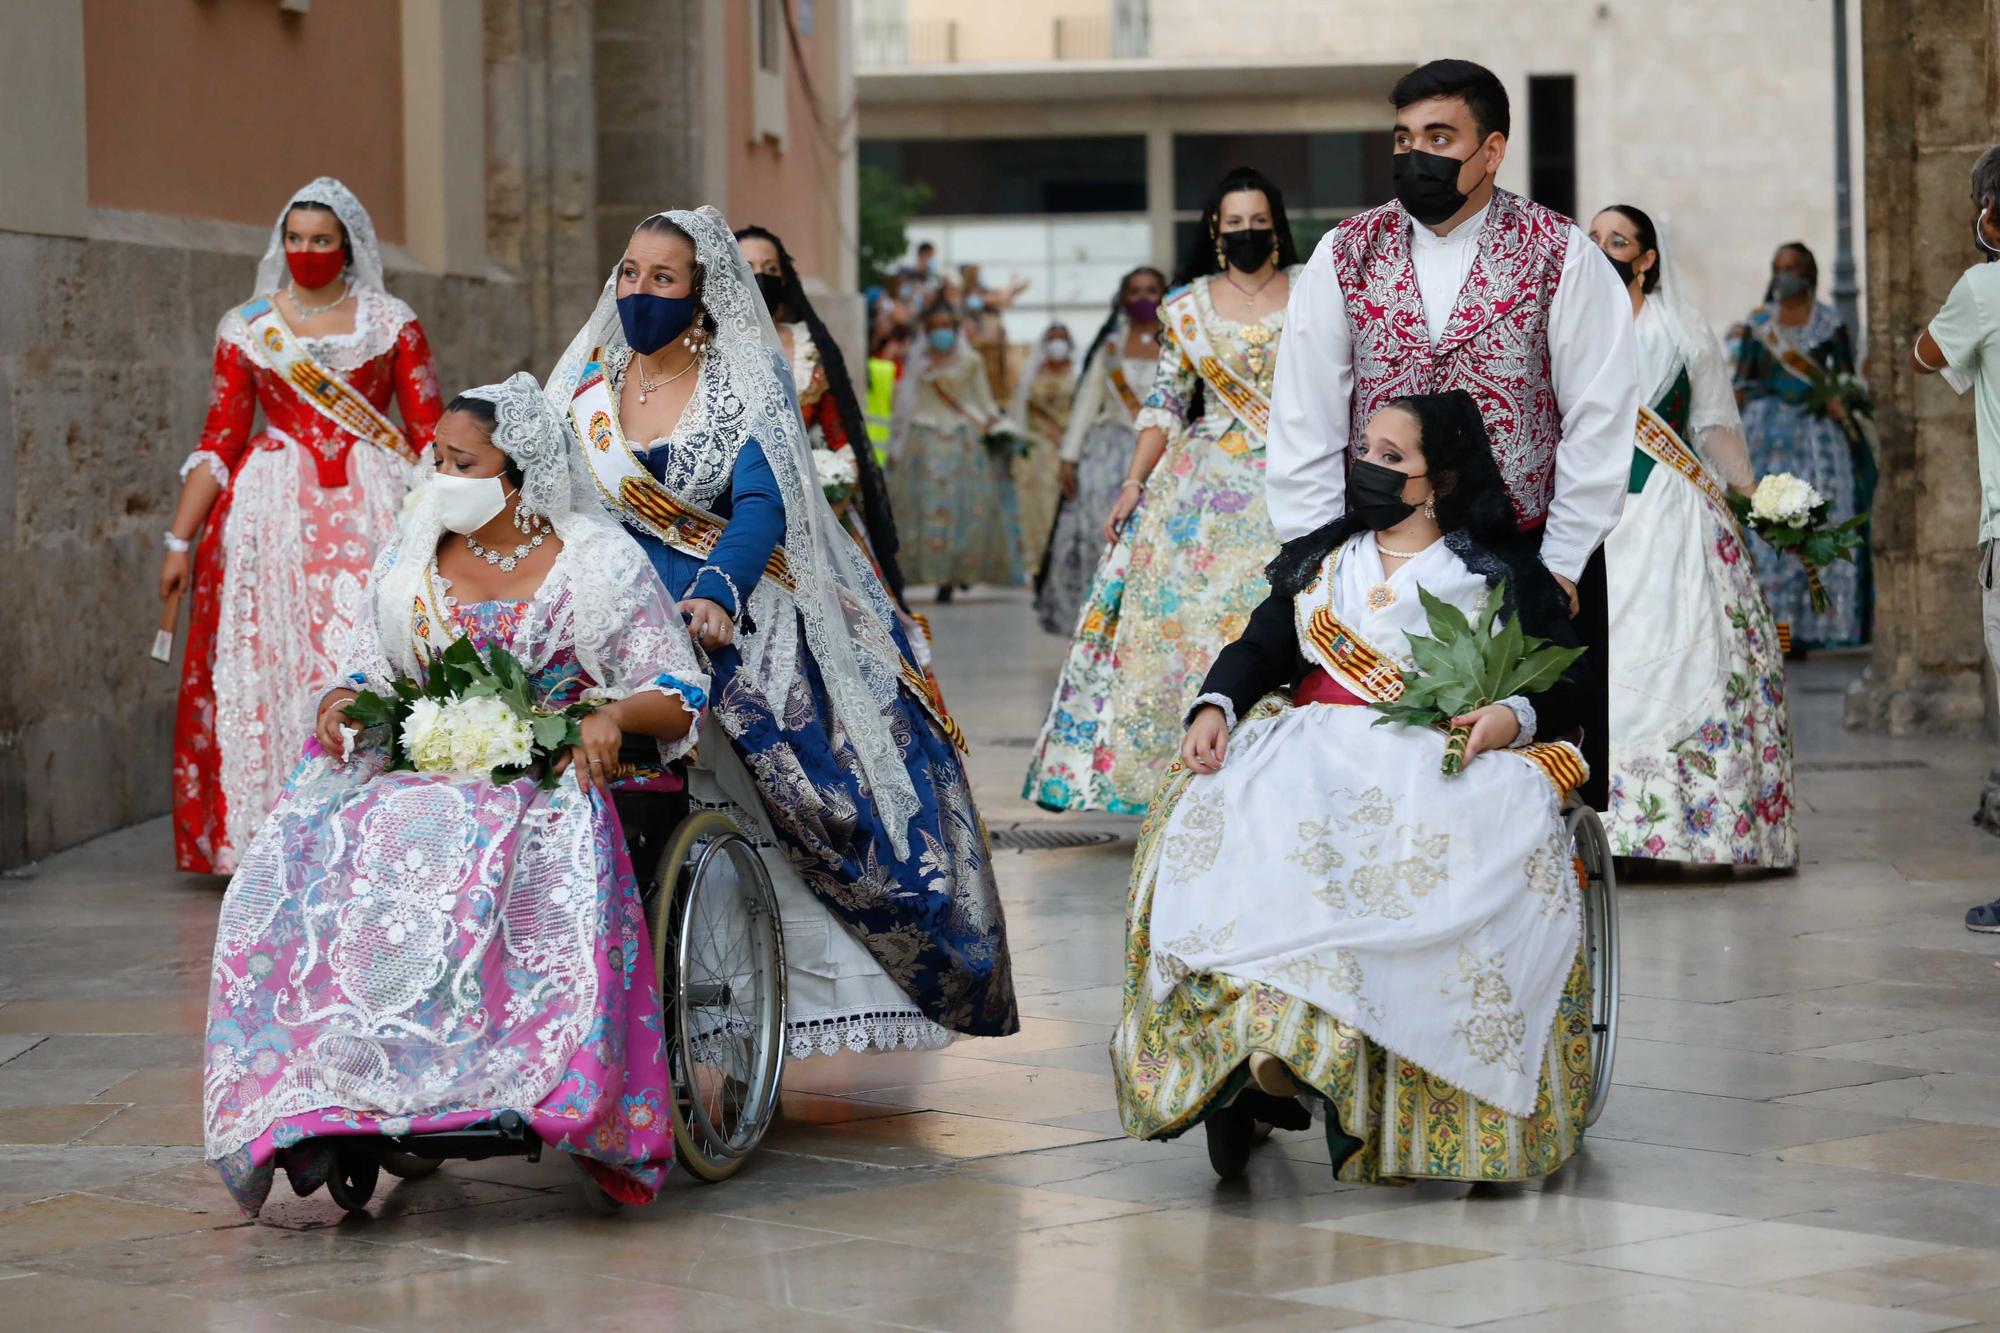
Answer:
(506, 1135)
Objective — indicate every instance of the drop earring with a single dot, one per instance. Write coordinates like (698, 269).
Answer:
(1431, 506)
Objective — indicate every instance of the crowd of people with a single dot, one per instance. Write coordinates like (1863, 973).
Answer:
(1238, 500)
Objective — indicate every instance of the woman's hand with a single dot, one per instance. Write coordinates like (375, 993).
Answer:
(1494, 727)
(708, 624)
(174, 574)
(1067, 480)
(334, 723)
(1121, 509)
(1207, 741)
(595, 762)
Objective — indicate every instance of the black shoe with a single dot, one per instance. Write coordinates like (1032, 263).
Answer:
(1231, 1131)
(1277, 1112)
(944, 593)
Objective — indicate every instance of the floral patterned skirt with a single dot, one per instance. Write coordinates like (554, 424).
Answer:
(1179, 585)
(1076, 543)
(1700, 739)
(1178, 1058)
(401, 953)
(956, 510)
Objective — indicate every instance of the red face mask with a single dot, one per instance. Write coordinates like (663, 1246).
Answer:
(314, 269)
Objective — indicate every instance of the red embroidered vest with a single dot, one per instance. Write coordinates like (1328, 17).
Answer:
(1495, 344)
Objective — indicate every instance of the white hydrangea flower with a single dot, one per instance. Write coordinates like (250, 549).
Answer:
(1783, 498)
(427, 737)
(836, 467)
(487, 734)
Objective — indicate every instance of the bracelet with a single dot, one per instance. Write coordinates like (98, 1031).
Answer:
(178, 544)
(1140, 485)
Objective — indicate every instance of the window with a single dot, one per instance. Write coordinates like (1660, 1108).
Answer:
(1014, 177)
(768, 41)
(1552, 141)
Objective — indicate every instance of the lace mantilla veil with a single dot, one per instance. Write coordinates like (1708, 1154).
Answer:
(744, 392)
(365, 269)
(555, 484)
(1715, 426)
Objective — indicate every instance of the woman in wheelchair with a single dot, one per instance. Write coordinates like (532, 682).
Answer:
(1320, 917)
(420, 951)
(828, 749)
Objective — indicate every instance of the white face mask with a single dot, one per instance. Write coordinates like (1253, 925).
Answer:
(1057, 349)
(467, 504)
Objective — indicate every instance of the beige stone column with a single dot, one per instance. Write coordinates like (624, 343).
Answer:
(1160, 195)
(1931, 95)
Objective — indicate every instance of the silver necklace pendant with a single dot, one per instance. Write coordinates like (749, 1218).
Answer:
(506, 563)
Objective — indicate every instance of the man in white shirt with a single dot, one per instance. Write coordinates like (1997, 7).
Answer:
(1459, 285)
(1962, 342)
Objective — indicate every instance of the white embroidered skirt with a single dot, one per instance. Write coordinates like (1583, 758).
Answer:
(1331, 859)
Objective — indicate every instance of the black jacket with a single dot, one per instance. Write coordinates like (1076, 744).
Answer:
(1268, 657)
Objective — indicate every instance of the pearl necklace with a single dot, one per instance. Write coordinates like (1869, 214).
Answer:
(647, 385)
(309, 311)
(505, 562)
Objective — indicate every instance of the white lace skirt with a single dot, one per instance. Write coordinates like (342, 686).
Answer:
(837, 997)
(1331, 859)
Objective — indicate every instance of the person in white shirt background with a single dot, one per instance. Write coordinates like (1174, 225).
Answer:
(1459, 284)
(1962, 343)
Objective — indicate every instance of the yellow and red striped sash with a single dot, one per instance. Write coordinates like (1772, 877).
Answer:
(274, 346)
(1559, 762)
(1664, 445)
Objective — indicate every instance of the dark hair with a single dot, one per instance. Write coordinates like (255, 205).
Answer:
(926, 245)
(315, 206)
(1471, 497)
(1648, 237)
(1201, 260)
(483, 411)
(1805, 253)
(898, 330)
(1475, 85)
(938, 306)
(874, 490)
(661, 225)
(1110, 325)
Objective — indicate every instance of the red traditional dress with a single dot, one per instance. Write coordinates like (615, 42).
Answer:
(283, 559)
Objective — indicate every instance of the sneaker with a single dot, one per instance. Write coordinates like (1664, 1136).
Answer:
(1984, 918)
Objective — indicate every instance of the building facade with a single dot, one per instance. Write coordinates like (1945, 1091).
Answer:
(504, 147)
(1069, 139)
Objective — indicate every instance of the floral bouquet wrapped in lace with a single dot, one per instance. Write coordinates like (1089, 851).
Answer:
(1464, 666)
(471, 716)
(839, 475)
(1790, 515)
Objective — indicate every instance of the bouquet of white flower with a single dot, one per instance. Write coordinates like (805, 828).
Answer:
(1789, 514)
(471, 716)
(839, 474)
(1007, 440)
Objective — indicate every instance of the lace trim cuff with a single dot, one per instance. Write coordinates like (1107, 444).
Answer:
(212, 461)
(735, 596)
(1220, 701)
(1524, 713)
(1157, 416)
(861, 1032)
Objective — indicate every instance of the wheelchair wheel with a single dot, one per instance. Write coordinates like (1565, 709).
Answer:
(719, 953)
(409, 1166)
(352, 1183)
(1600, 927)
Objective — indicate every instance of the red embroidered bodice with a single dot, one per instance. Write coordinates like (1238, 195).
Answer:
(1495, 343)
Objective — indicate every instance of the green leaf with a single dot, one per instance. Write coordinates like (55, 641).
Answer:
(555, 731)
(1447, 621)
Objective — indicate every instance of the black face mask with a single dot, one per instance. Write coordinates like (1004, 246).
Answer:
(1623, 268)
(1250, 249)
(1375, 494)
(1427, 183)
(773, 289)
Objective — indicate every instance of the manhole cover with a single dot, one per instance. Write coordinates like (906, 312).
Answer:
(1861, 765)
(1048, 839)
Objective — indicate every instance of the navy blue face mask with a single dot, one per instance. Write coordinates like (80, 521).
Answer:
(651, 322)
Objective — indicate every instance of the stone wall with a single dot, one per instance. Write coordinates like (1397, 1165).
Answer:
(105, 350)
(1932, 101)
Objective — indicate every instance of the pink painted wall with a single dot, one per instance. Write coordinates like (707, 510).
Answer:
(794, 192)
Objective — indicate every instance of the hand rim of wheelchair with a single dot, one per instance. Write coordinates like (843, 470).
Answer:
(1600, 937)
(709, 1152)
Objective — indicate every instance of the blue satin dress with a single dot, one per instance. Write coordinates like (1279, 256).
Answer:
(932, 921)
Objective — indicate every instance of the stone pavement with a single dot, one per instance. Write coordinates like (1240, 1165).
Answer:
(1806, 1131)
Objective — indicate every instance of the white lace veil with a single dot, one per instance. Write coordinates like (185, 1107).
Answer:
(744, 392)
(366, 267)
(1715, 427)
(1017, 405)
